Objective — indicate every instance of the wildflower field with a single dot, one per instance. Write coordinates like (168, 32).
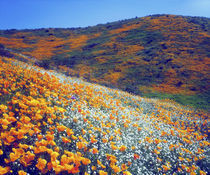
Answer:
(53, 124)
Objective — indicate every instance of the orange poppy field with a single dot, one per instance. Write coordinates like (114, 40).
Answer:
(54, 124)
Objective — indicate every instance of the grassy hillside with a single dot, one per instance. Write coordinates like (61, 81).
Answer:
(53, 124)
(155, 56)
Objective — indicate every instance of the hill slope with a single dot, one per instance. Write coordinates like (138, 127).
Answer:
(160, 55)
(53, 124)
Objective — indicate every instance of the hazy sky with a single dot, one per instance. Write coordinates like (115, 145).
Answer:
(27, 14)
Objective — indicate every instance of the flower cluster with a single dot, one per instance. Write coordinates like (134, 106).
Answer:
(52, 124)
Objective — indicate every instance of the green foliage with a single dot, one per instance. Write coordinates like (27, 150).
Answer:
(142, 36)
(198, 101)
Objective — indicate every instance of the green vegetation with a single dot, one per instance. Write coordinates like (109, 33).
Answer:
(198, 101)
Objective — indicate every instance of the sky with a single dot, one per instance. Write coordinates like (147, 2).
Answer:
(33, 14)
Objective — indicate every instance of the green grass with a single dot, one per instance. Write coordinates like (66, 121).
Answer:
(199, 101)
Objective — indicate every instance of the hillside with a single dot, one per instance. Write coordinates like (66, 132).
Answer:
(54, 124)
(163, 56)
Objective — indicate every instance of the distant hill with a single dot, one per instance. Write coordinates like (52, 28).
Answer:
(163, 56)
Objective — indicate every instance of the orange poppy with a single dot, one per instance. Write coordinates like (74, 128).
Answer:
(124, 167)
(61, 128)
(21, 172)
(4, 170)
(101, 172)
(41, 164)
(136, 156)
(165, 168)
(86, 161)
(122, 148)
(94, 150)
